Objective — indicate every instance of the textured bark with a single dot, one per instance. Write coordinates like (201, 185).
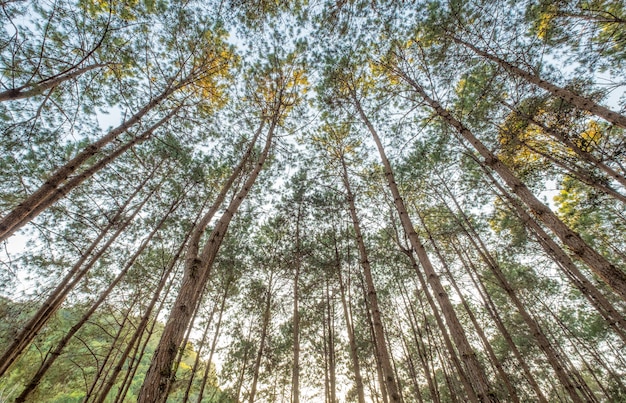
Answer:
(475, 371)
(611, 274)
(354, 357)
(30, 330)
(52, 356)
(379, 333)
(295, 369)
(32, 90)
(267, 315)
(197, 272)
(578, 101)
(9, 221)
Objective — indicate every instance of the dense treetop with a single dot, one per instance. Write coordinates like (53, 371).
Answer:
(346, 201)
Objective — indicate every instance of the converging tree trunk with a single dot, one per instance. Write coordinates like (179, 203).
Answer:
(475, 371)
(612, 275)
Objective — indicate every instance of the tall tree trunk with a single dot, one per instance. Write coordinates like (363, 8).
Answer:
(295, 371)
(612, 275)
(481, 334)
(197, 272)
(31, 90)
(493, 313)
(475, 371)
(103, 366)
(30, 330)
(143, 323)
(379, 368)
(52, 356)
(196, 362)
(578, 101)
(356, 368)
(419, 344)
(205, 377)
(73, 182)
(8, 222)
(554, 358)
(612, 316)
(267, 314)
(412, 371)
(379, 333)
(332, 365)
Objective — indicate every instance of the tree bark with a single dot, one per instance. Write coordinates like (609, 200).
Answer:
(51, 357)
(356, 368)
(578, 101)
(62, 191)
(8, 222)
(267, 314)
(379, 333)
(197, 272)
(475, 371)
(31, 90)
(612, 275)
(295, 370)
(30, 330)
(205, 377)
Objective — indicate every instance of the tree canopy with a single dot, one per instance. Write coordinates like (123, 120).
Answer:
(295, 201)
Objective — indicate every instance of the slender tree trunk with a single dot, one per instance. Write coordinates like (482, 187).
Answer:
(481, 334)
(101, 374)
(419, 344)
(141, 327)
(73, 182)
(9, 221)
(31, 90)
(267, 314)
(51, 358)
(554, 358)
(379, 367)
(412, 372)
(612, 275)
(332, 366)
(197, 272)
(244, 366)
(475, 371)
(356, 368)
(196, 362)
(612, 316)
(578, 101)
(379, 333)
(30, 330)
(295, 371)
(493, 313)
(205, 377)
